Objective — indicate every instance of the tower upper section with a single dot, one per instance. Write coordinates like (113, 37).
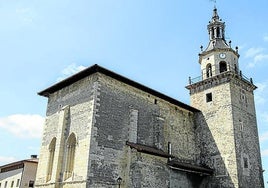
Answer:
(219, 55)
(216, 31)
(218, 59)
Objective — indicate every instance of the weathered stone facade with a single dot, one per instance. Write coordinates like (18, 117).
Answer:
(69, 110)
(121, 131)
(104, 130)
(227, 126)
(228, 131)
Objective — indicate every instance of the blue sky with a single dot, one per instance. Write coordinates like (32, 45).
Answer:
(153, 42)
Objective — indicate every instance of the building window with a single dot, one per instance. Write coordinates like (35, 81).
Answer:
(6, 184)
(31, 183)
(235, 68)
(245, 162)
(12, 183)
(243, 97)
(71, 144)
(223, 66)
(209, 70)
(18, 183)
(51, 148)
(209, 97)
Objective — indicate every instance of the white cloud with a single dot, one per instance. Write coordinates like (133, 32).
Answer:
(260, 57)
(25, 15)
(264, 137)
(23, 125)
(241, 47)
(264, 116)
(264, 153)
(6, 160)
(32, 148)
(70, 70)
(252, 52)
(265, 38)
(257, 55)
(262, 86)
(251, 65)
(261, 92)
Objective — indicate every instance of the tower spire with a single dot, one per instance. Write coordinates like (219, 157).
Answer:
(215, 14)
(216, 27)
(216, 31)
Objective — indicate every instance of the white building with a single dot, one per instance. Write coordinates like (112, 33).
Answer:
(19, 174)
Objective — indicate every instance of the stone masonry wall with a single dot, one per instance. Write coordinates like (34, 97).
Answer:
(246, 136)
(69, 110)
(216, 135)
(121, 108)
(104, 113)
(227, 131)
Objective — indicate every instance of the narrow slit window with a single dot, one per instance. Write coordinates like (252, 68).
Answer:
(209, 97)
(245, 162)
(18, 182)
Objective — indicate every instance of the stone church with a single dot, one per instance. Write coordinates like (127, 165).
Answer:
(104, 130)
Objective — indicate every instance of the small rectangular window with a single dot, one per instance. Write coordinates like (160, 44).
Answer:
(209, 97)
(18, 182)
(12, 183)
(6, 184)
(243, 96)
(31, 183)
(245, 162)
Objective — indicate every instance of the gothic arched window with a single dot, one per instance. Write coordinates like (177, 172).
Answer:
(51, 149)
(209, 70)
(70, 157)
(223, 66)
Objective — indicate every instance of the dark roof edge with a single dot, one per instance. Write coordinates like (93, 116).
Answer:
(96, 68)
(18, 163)
(148, 149)
(172, 162)
(176, 165)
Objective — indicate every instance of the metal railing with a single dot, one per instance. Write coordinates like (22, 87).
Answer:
(206, 75)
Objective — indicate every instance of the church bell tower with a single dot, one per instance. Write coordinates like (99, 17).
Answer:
(226, 125)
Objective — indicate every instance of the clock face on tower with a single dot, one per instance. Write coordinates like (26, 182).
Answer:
(222, 55)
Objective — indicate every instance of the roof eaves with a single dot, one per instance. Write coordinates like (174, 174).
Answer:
(174, 164)
(96, 68)
(148, 150)
(18, 163)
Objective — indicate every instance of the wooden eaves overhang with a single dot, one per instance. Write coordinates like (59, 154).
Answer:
(173, 162)
(98, 69)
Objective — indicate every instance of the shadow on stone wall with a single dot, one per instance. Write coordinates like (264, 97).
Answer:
(211, 157)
